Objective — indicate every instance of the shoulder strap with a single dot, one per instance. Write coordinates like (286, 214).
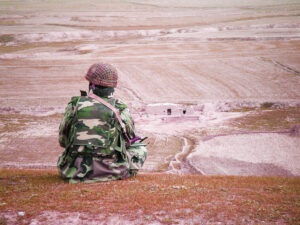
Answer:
(117, 113)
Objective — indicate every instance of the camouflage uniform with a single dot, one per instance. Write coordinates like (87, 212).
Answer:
(95, 149)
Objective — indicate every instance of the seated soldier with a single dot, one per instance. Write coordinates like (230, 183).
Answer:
(98, 133)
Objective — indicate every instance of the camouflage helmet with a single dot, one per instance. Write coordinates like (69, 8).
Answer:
(102, 74)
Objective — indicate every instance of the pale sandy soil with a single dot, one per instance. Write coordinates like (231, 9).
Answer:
(53, 217)
(211, 55)
(252, 154)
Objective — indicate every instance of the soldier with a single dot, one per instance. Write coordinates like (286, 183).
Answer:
(98, 133)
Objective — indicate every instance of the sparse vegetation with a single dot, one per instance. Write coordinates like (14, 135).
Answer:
(159, 197)
(164, 56)
(3, 221)
(14, 121)
(5, 38)
(75, 26)
(7, 22)
(83, 52)
(268, 120)
(267, 105)
(27, 46)
(244, 109)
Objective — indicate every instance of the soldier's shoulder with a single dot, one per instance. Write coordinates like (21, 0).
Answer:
(74, 99)
(120, 104)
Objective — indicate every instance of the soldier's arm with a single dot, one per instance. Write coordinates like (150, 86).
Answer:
(126, 118)
(66, 122)
(129, 122)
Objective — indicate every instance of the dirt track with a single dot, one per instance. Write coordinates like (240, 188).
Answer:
(211, 55)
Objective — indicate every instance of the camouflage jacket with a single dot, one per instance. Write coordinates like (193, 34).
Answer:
(95, 149)
(87, 122)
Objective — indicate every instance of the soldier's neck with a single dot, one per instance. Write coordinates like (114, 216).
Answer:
(104, 92)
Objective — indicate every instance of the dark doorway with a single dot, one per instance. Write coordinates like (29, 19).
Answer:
(184, 111)
(169, 111)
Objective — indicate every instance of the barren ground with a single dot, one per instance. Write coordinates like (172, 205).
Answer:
(229, 71)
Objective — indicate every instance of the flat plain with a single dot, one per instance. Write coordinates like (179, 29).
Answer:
(227, 71)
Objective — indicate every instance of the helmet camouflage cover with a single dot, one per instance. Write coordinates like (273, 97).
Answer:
(102, 74)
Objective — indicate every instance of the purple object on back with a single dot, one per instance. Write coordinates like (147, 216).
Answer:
(135, 139)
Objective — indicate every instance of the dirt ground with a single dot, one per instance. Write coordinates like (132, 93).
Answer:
(208, 58)
(225, 70)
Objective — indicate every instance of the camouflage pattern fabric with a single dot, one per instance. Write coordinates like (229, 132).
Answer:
(95, 149)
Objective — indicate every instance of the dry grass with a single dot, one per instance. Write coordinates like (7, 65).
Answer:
(7, 23)
(155, 197)
(268, 120)
(5, 38)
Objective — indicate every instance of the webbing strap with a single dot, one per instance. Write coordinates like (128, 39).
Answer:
(114, 110)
